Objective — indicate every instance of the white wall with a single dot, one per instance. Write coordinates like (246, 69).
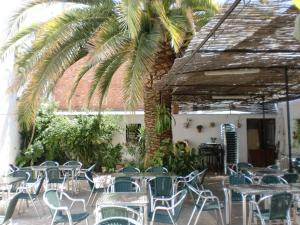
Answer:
(294, 116)
(192, 135)
(9, 138)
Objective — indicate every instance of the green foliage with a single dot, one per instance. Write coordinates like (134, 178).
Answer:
(84, 138)
(109, 32)
(163, 119)
(181, 160)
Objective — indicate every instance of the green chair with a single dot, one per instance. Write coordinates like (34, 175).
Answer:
(62, 213)
(167, 213)
(94, 190)
(129, 169)
(53, 178)
(124, 186)
(243, 165)
(272, 179)
(279, 208)
(160, 188)
(22, 173)
(157, 169)
(31, 192)
(236, 180)
(4, 219)
(206, 201)
(49, 163)
(81, 174)
(291, 177)
(105, 212)
(273, 167)
(118, 221)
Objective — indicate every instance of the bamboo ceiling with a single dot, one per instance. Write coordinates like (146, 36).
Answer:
(246, 57)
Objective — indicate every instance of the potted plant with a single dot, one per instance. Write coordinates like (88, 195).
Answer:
(199, 128)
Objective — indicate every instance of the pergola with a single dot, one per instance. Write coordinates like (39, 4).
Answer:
(245, 55)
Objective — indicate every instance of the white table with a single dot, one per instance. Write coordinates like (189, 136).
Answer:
(139, 199)
(254, 189)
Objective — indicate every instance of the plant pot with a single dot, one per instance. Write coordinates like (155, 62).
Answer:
(199, 128)
(175, 108)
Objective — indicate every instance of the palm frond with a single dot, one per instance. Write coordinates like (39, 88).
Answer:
(129, 16)
(197, 5)
(176, 31)
(140, 62)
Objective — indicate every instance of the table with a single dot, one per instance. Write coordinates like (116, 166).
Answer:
(144, 176)
(139, 199)
(254, 189)
(103, 181)
(7, 181)
(261, 171)
(70, 168)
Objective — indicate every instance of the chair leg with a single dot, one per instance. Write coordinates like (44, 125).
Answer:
(200, 211)
(86, 221)
(191, 217)
(221, 216)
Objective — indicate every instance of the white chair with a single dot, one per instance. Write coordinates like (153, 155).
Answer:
(206, 201)
(162, 212)
(53, 200)
(107, 211)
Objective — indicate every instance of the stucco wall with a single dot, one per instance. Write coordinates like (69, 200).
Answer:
(193, 136)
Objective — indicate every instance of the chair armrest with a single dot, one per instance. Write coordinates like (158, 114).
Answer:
(263, 199)
(74, 200)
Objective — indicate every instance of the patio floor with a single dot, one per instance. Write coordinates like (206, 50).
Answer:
(28, 217)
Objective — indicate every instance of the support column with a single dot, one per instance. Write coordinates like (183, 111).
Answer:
(288, 118)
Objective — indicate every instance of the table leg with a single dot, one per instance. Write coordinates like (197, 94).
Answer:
(244, 199)
(145, 214)
(227, 206)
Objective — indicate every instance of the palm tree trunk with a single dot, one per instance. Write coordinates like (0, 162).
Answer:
(152, 97)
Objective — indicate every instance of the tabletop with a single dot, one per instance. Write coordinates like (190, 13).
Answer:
(10, 180)
(143, 175)
(43, 168)
(261, 171)
(121, 198)
(251, 189)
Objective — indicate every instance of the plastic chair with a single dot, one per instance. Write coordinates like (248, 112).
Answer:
(12, 168)
(31, 192)
(4, 219)
(230, 171)
(53, 178)
(157, 169)
(291, 177)
(94, 190)
(273, 167)
(22, 173)
(243, 165)
(124, 186)
(129, 169)
(62, 214)
(168, 213)
(49, 163)
(81, 174)
(236, 180)
(279, 208)
(206, 201)
(197, 180)
(118, 221)
(105, 212)
(160, 188)
(272, 179)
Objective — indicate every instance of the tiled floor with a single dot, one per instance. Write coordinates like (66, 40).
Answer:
(28, 217)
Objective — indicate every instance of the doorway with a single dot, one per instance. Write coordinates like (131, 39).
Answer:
(261, 142)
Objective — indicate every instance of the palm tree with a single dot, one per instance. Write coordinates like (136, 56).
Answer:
(145, 35)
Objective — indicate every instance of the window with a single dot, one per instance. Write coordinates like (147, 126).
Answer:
(132, 133)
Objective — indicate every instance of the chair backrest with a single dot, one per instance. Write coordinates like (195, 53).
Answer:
(273, 167)
(291, 177)
(271, 179)
(124, 186)
(12, 167)
(73, 163)
(130, 169)
(230, 171)
(89, 176)
(243, 165)
(21, 173)
(118, 221)
(118, 211)
(51, 199)
(11, 208)
(280, 205)
(121, 178)
(52, 174)
(198, 179)
(91, 168)
(49, 163)
(38, 185)
(178, 203)
(236, 180)
(157, 169)
(161, 186)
